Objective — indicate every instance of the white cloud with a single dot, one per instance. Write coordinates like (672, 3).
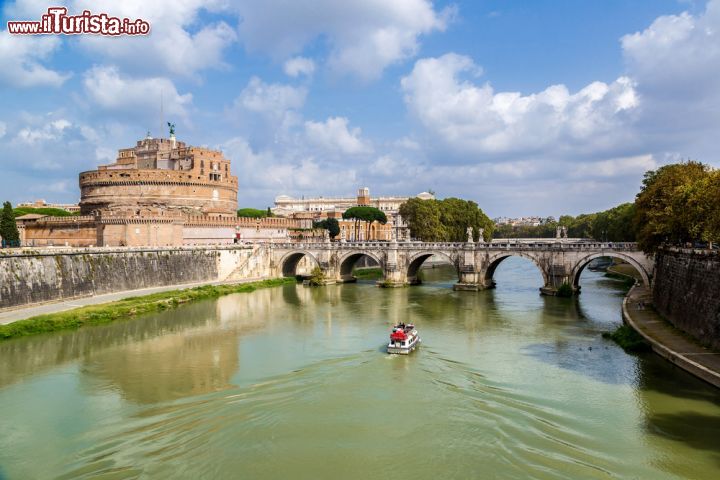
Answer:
(3, 129)
(364, 36)
(112, 91)
(272, 99)
(676, 63)
(614, 167)
(333, 135)
(475, 119)
(407, 143)
(21, 57)
(178, 43)
(269, 172)
(49, 131)
(297, 66)
(679, 54)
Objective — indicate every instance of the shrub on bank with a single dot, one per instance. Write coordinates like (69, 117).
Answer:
(630, 340)
(565, 290)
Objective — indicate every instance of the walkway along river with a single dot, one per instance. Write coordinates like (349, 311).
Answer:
(292, 382)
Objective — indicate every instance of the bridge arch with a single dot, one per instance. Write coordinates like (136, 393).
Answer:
(495, 260)
(347, 262)
(290, 261)
(415, 262)
(585, 261)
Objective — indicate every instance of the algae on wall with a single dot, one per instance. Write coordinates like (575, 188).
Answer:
(27, 279)
(686, 291)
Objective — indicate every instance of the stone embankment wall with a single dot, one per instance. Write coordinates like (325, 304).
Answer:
(686, 292)
(46, 275)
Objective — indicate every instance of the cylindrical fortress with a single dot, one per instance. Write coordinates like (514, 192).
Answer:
(161, 176)
(185, 191)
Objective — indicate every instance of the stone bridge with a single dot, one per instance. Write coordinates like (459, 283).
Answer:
(559, 261)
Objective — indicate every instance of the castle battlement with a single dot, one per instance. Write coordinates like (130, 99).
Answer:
(162, 174)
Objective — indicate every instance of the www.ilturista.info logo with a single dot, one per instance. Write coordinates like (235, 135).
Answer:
(57, 21)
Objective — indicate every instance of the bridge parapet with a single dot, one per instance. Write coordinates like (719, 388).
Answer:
(524, 245)
(559, 261)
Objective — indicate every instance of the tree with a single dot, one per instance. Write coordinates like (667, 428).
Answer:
(252, 213)
(445, 220)
(704, 198)
(366, 214)
(8, 228)
(331, 225)
(423, 219)
(664, 210)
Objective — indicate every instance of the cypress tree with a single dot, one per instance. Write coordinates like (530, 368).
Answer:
(8, 227)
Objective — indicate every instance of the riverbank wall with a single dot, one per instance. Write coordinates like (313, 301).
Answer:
(686, 292)
(35, 276)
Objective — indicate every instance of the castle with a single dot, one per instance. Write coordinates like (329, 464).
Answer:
(161, 192)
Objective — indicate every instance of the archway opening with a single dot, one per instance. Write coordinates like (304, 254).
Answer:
(427, 260)
(298, 264)
(357, 264)
(516, 272)
(610, 267)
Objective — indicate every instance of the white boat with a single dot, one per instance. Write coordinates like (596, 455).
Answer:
(403, 339)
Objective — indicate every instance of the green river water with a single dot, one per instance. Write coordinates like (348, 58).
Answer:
(293, 383)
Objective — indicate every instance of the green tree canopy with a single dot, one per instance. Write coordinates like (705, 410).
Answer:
(53, 212)
(8, 228)
(445, 220)
(331, 225)
(253, 213)
(672, 205)
(367, 214)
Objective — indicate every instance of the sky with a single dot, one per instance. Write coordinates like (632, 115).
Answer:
(543, 107)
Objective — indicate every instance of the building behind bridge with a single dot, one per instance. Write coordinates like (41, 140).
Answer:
(319, 208)
(161, 192)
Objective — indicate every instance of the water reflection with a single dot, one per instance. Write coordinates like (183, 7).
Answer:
(507, 382)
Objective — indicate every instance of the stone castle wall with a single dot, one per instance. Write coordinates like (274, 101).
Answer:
(686, 292)
(46, 275)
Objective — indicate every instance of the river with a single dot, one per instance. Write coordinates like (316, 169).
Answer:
(293, 383)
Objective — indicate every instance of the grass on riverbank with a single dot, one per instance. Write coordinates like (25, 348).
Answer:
(126, 308)
(626, 280)
(630, 340)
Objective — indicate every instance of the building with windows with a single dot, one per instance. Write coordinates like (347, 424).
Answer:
(286, 206)
(319, 208)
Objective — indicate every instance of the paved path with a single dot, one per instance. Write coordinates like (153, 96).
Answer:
(9, 316)
(667, 341)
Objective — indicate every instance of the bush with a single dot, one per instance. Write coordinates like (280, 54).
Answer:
(628, 339)
(565, 290)
(317, 277)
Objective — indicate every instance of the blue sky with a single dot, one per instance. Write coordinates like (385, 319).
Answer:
(538, 107)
